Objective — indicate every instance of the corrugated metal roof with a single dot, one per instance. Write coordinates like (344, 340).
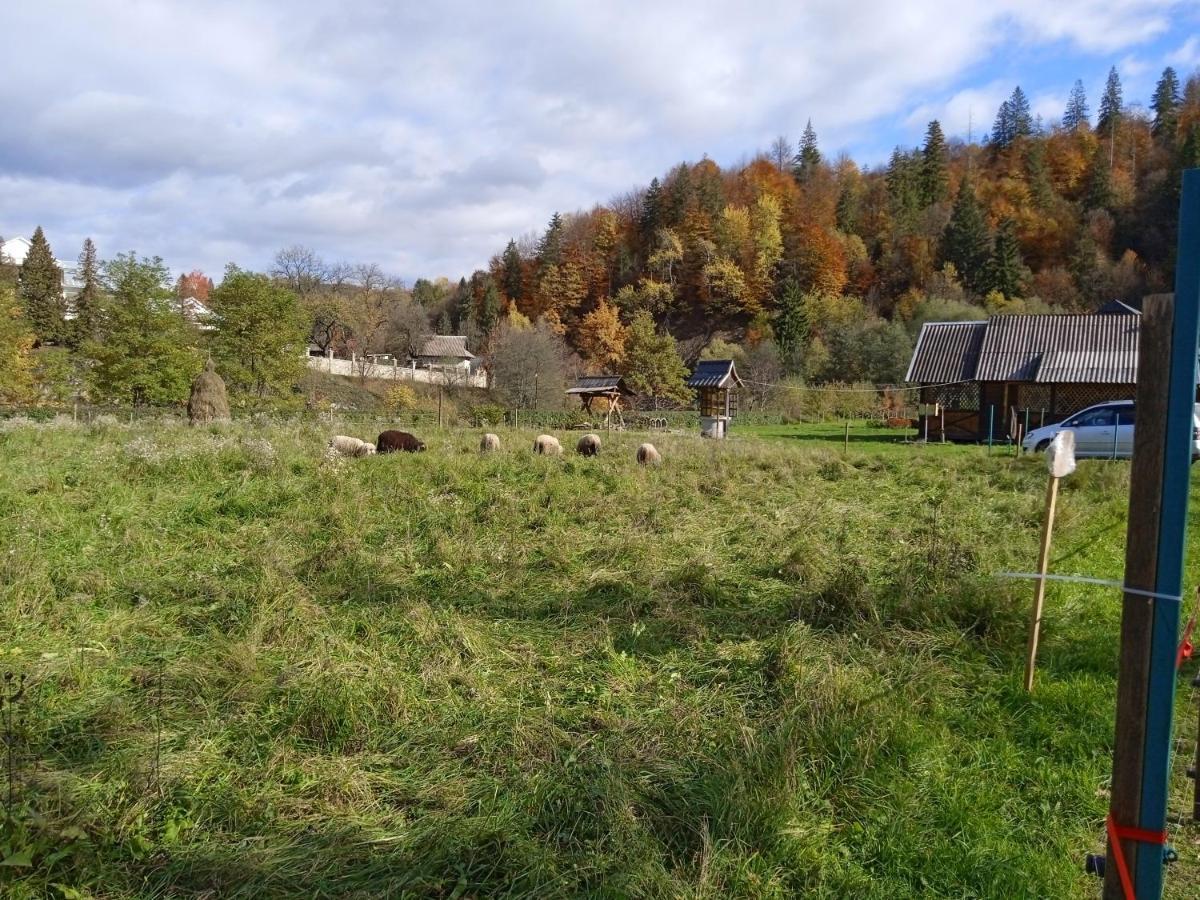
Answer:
(945, 352)
(716, 373)
(442, 346)
(593, 384)
(1077, 348)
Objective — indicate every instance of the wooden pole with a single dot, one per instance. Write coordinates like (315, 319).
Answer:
(1039, 594)
(1158, 494)
(439, 406)
(846, 444)
(991, 424)
(1196, 770)
(943, 424)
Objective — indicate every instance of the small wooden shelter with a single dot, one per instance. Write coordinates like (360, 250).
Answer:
(610, 387)
(716, 382)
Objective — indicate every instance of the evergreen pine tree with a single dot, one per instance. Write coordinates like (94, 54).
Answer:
(791, 325)
(511, 272)
(489, 309)
(1111, 105)
(40, 291)
(1100, 188)
(1166, 105)
(1022, 118)
(808, 157)
(652, 365)
(1076, 114)
(966, 242)
(1189, 151)
(549, 248)
(650, 217)
(904, 189)
(1038, 174)
(1006, 270)
(1002, 129)
(935, 177)
(87, 301)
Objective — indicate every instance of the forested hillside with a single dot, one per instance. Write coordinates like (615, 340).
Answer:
(834, 265)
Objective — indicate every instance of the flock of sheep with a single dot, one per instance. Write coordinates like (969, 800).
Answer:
(543, 445)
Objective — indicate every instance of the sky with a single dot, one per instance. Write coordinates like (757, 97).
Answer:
(422, 136)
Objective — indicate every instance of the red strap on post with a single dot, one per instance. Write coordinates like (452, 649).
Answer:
(1185, 646)
(1117, 833)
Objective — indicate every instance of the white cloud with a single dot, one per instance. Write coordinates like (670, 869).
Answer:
(423, 136)
(1188, 55)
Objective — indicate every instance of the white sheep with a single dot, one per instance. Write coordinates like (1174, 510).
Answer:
(343, 445)
(489, 443)
(648, 455)
(547, 445)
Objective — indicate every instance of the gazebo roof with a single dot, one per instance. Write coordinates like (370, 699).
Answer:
(600, 384)
(714, 373)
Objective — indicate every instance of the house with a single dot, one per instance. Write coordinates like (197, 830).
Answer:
(609, 387)
(716, 382)
(445, 351)
(981, 378)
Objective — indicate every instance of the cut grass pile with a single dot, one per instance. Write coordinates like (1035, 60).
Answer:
(763, 669)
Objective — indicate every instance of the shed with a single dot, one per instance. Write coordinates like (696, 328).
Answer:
(611, 387)
(999, 373)
(716, 382)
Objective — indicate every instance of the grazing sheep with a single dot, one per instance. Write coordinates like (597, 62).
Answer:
(547, 445)
(489, 443)
(392, 441)
(589, 445)
(648, 455)
(342, 445)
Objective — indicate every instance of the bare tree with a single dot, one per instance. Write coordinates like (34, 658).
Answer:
(409, 328)
(301, 269)
(781, 153)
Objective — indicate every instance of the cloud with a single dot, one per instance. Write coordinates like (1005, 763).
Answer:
(1187, 56)
(423, 136)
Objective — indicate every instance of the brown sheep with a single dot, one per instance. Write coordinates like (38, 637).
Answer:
(589, 445)
(547, 445)
(489, 443)
(648, 455)
(392, 441)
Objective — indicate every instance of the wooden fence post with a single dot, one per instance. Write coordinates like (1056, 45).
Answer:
(1158, 499)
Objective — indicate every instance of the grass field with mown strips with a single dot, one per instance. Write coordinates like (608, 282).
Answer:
(767, 668)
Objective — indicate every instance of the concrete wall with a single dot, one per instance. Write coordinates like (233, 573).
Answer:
(358, 368)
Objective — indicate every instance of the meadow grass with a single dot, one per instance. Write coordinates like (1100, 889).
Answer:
(767, 668)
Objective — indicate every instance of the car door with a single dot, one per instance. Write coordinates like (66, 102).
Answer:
(1094, 431)
(1126, 416)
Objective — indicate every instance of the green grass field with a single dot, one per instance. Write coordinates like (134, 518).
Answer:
(768, 668)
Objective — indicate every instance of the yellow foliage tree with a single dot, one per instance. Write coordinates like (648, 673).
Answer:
(601, 339)
(16, 344)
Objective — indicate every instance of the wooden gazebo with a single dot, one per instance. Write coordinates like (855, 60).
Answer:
(610, 387)
(716, 382)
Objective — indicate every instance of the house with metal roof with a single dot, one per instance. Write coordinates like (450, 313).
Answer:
(716, 383)
(993, 377)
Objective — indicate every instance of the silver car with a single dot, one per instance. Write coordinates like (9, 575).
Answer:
(1102, 431)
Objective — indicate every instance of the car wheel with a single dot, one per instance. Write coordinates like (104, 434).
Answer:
(1041, 446)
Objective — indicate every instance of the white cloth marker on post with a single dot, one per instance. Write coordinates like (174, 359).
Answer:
(1060, 462)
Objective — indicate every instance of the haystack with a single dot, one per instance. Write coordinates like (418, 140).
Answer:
(208, 402)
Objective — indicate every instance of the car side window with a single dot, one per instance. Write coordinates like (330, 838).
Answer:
(1126, 416)
(1095, 418)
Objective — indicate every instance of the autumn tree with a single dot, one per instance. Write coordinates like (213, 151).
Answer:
(301, 269)
(40, 292)
(529, 366)
(147, 351)
(601, 339)
(781, 153)
(652, 364)
(16, 342)
(259, 333)
(1076, 114)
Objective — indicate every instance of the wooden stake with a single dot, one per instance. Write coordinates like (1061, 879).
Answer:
(846, 445)
(439, 406)
(1039, 594)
